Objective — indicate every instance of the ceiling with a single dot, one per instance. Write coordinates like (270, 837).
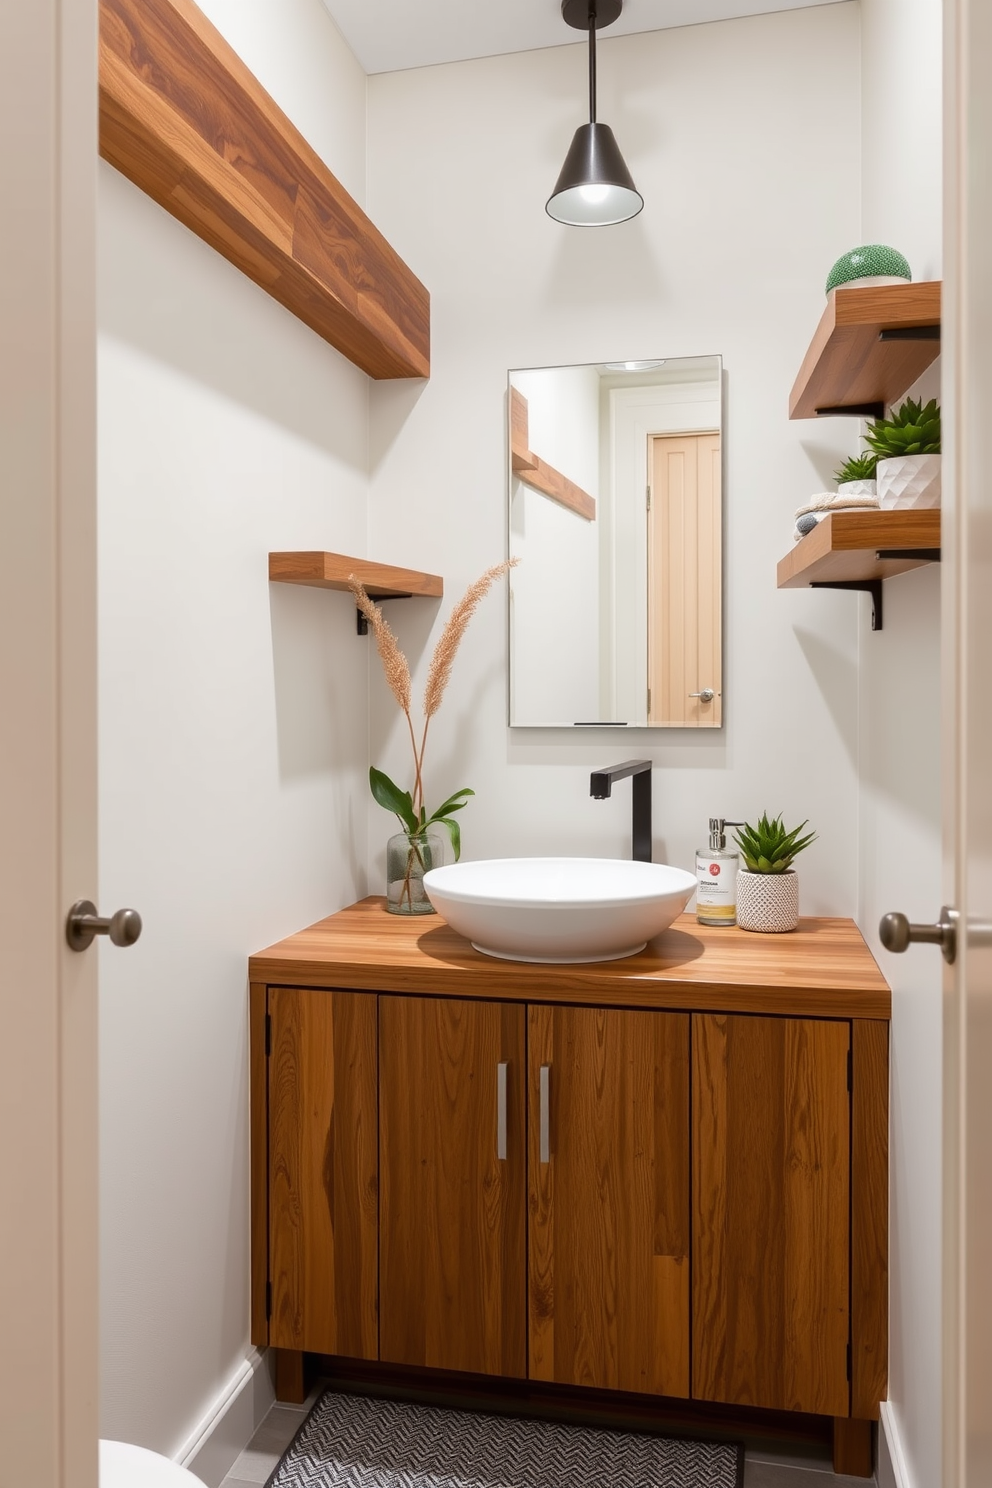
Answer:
(389, 35)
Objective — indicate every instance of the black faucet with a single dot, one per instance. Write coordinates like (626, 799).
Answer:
(601, 786)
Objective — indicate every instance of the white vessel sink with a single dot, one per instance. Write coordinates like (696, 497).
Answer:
(559, 909)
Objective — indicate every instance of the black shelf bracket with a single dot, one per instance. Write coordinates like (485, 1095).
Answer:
(898, 555)
(911, 333)
(853, 410)
(362, 623)
(864, 586)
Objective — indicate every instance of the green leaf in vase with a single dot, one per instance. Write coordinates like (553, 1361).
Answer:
(453, 831)
(389, 795)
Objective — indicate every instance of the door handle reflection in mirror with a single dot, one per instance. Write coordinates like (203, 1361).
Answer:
(897, 934)
(706, 696)
(83, 924)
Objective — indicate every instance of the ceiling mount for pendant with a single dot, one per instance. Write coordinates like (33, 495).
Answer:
(576, 13)
(595, 187)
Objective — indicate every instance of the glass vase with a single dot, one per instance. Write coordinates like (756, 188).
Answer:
(408, 857)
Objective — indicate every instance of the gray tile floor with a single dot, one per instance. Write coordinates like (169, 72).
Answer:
(762, 1469)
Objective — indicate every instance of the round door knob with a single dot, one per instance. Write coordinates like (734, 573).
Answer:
(83, 924)
(897, 934)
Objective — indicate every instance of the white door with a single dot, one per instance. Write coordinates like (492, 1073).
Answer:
(48, 1173)
(967, 627)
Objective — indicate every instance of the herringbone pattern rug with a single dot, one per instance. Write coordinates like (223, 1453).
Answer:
(348, 1441)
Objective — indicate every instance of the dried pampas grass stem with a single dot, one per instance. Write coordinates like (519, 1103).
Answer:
(444, 652)
(394, 664)
(397, 669)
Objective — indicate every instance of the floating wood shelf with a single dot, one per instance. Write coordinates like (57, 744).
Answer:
(872, 344)
(858, 549)
(185, 120)
(332, 571)
(534, 471)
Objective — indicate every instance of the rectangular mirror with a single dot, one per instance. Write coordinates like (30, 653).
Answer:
(615, 512)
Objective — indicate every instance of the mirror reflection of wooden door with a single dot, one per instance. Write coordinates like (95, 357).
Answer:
(684, 582)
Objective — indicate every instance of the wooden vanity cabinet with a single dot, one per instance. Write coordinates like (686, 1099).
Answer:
(771, 1212)
(453, 1194)
(322, 1171)
(609, 1198)
(676, 1187)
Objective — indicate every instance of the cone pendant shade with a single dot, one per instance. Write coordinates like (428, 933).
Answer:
(595, 188)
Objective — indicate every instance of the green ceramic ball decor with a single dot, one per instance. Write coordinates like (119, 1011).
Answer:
(872, 261)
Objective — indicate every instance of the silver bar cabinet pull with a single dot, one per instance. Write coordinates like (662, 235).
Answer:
(501, 1112)
(545, 1113)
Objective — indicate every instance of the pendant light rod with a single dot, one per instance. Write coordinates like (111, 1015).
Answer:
(594, 187)
(592, 61)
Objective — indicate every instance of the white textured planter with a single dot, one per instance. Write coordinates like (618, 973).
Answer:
(768, 901)
(857, 488)
(909, 481)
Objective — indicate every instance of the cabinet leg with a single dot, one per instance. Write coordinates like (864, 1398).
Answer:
(852, 1447)
(290, 1385)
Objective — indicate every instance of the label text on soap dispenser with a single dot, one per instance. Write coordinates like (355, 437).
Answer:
(716, 887)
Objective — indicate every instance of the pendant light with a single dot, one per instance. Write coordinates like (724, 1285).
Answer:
(594, 188)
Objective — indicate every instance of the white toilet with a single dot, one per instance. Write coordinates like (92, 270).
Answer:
(125, 1466)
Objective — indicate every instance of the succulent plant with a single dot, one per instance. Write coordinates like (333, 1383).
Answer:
(913, 430)
(767, 847)
(857, 468)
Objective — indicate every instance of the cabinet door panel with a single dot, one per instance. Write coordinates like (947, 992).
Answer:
(323, 1244)
(771, 1212)
(453, 1214)
(609, 1210)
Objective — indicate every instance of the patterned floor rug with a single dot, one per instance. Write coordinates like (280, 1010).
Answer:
(348, 1441)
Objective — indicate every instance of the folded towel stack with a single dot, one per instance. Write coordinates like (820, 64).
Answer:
(823, 504)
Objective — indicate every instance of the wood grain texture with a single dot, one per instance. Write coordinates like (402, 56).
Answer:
(846, 362)
(290, 1381)
(852, 1452)
(823, 969)
(842, 547)
(185, 120)
(869, 1216)
(771, 1172)
(534, 471)
(609, 1213)
(323, 1199)
(452, 1236)
(332, 571)
(259, 1161)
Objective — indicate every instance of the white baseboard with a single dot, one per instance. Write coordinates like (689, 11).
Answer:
(892, 1469)
(217, 1441)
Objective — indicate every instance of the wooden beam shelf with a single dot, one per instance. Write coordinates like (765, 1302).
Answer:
(845, 547)
(534, 471)
(872, 343)
(332, 571)
(183, 118)
(858, 549)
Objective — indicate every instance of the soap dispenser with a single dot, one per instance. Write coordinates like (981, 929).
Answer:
(716, 877)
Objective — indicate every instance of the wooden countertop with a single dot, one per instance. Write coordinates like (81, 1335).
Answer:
(823, 969)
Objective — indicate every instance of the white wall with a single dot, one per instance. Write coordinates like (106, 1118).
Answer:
(744, 139)
(233, 727)
(900, 749)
